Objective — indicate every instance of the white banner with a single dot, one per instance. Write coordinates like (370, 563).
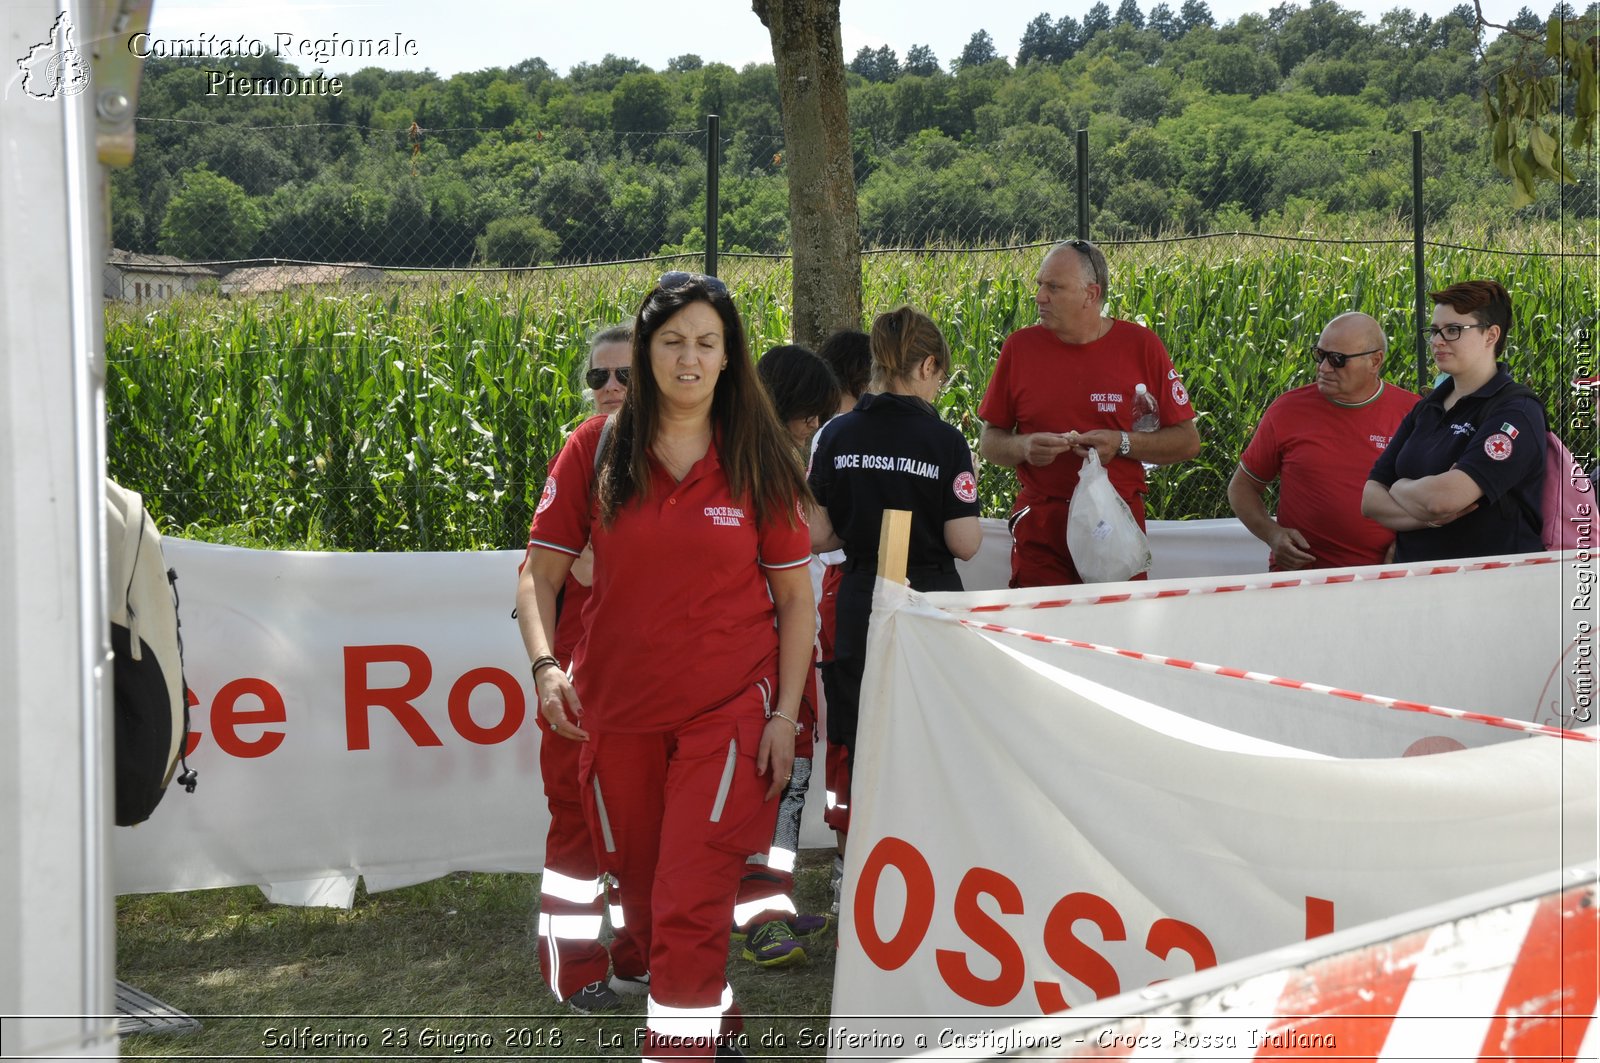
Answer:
(353, 715)
(1053, 822)
(369, 715)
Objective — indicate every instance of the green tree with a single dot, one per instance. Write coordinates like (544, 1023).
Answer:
(1039, 42)
(1096, 21)
(979, 50)
(210, 218)
(1195, 13)
(876, 64)
(641, 103)
(519, 241)
(1164, 22)
(921, 61)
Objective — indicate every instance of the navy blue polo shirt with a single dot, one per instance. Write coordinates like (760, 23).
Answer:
(1500, 443)
(893, 452)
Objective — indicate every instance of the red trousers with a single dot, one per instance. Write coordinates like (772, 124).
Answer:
(767, 889)
(1039, 555)
(572, 894)
(676, 813)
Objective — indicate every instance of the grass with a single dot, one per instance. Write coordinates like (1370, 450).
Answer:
(453, 961)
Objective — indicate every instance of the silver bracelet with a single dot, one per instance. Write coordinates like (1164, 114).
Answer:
(798, 727)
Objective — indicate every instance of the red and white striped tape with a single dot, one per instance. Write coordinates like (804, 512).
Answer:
(1271, 583)
(1277, 681)
(1517, 982)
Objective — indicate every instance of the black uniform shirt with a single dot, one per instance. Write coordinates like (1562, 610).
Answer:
(893, 452)
(1497, 441)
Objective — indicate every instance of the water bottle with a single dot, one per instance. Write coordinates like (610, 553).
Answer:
(1146, 415)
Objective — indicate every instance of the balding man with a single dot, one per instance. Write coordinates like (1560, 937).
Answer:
(1319, 442)
(1070, 383)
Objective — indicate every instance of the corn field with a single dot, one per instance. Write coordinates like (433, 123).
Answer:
(422, 416)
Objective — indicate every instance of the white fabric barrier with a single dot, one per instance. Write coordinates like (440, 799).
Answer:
(370, 715)
(1179, 548)
(357, 715)
(1158, 819)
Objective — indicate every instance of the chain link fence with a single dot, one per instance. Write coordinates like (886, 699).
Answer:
(345, 338)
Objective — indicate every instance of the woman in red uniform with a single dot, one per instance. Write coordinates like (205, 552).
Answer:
(686, 691)
(572, 893)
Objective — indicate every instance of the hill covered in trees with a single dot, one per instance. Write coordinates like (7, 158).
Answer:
(1274, 121)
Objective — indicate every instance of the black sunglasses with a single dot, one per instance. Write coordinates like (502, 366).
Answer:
(680, 279)
(597, 377)
(1337, 360)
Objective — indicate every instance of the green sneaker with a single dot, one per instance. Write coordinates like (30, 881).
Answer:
(773, 944)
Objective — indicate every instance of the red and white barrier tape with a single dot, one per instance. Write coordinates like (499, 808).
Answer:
(1271, 583)
(1514, 983)
(1277, 681)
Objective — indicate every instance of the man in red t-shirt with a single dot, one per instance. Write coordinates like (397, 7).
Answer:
(1069, 383)
(1319, 442)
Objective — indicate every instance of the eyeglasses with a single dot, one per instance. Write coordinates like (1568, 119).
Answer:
(678, 278)
(597, 377)
(1449, 333)
(1086, 249)
(1336, 359)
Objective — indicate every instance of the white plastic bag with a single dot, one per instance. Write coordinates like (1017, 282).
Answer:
(1106, 543)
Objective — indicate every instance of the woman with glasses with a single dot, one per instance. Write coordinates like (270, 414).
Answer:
(891, 452)
(606, 379)
(695, 508)
(572, 892)
(1464, 473)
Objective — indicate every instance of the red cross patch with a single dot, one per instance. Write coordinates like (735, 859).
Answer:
(547, 496)
(1498, 446)
(965, 487)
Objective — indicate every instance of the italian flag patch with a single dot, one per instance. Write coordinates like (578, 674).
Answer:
(1508, 430)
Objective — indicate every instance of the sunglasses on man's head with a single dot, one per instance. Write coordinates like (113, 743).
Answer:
(596, 378)
(1337, 360)
(1085, 248)
(679, 279)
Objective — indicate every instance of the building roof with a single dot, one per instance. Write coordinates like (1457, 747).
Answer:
(252, 280)
(130, 261)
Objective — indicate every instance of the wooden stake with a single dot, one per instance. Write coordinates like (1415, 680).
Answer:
(894, 544)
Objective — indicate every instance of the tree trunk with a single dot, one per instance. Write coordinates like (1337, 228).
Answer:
(823, 224)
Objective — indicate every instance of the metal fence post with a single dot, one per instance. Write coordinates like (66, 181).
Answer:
(1083, 184)
(1418, 267)
(713, 155)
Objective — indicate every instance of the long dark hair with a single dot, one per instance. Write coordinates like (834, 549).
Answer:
(755, 450)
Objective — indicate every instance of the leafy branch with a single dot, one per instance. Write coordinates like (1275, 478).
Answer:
(1523, 104)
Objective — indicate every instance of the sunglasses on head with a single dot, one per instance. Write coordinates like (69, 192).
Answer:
(597, 377)
(1336, 359)
(1086, 249)
(680, 279)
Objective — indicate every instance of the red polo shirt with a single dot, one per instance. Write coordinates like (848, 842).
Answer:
(1320, 453)
(680, 617)
(1043, 385)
